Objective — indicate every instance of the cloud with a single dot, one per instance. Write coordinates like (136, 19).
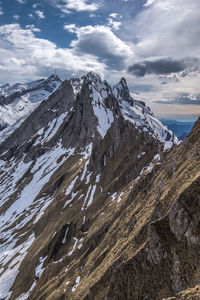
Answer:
(29, 57)
(70, 27)
(101, 42)
(184, 99)
(21, 1)
(166, 28)
(95, 48)
(149, 2)
(36, 5)
(159, 66)
(40, 14)
(81, 5)
(33, 28)
(113, 15)
(16, 17)
(115, 25)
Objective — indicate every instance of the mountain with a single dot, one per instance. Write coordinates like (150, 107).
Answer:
(141, 116)
(93, 206)
(19, 100)
(180, 129)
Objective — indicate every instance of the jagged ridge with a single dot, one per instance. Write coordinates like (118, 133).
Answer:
(87, 172)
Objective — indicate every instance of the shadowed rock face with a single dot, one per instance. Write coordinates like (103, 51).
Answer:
(91, 205)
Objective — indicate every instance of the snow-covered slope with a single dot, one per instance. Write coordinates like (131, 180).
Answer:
(100, 91)
(59, 163)
(134, 111)
(65, 175)
(19, 100)
(141, 115)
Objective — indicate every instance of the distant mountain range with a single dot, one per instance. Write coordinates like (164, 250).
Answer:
(180, 129)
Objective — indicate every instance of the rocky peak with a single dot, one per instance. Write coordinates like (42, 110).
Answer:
(54, 77)
(141, 116)
(49, 84)
(92, 77)
(121, 91)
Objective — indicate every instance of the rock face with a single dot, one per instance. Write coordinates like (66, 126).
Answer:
(91, 206)
(19, 100)
(141, 115)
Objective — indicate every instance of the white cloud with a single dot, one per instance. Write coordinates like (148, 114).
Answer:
(29, 57)
(36, 5)
(40, 14)
(113, 15)
(167, 28)
(70, 27)
(78, 5)
(16, 17)
(92, 15)
(149, 2)
(21, 1)
(114, 24)
(33, 28)
(31, 16)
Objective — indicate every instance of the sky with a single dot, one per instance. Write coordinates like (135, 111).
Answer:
(154, 44)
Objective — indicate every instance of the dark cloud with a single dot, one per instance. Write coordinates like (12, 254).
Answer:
(182, 100)
(101, 42)
(160, 66)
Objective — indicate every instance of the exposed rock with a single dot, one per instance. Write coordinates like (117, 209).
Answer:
(91, 208)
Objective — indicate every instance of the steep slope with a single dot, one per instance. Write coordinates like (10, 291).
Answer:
(141, 116)
(134, 111)
(141, 242)
(19, 100)
(91, 207)
(66, 152)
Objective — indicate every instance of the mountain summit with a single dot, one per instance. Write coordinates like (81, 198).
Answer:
(93, 206)
(19, 100)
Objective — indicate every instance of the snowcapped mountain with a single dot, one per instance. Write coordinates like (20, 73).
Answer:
(134, 111)
(81, 181)
(141, 116)
(19, 100)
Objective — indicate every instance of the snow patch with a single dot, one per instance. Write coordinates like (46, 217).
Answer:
(65, 236)
(8, 277)
(91, 196)
(77, 283)
(74, 246)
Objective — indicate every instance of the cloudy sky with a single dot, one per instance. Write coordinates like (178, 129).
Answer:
(154, 44)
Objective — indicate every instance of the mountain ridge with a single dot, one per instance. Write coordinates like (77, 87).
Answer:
(19, 100)
(93, 204)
